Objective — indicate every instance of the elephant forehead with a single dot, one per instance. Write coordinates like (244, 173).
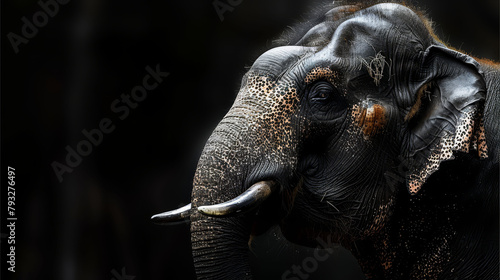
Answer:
(334, 20)
(277, 61)
(364, 32)
(358, 37)
(347, 37)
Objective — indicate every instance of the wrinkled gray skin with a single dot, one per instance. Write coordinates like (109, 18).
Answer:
(350, 119)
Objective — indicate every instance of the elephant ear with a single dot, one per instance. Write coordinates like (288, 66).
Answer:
(446, 115)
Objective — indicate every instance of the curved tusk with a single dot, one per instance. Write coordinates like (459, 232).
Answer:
(245, 202)
(172, 216)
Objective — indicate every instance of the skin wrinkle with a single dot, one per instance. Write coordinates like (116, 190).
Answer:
(416, 107)
(340, 199)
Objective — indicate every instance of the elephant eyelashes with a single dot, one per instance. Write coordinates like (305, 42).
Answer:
(321, 91)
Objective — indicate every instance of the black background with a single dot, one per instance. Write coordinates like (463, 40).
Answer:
(96, 222)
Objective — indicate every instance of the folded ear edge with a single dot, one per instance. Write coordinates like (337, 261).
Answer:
(469, 135)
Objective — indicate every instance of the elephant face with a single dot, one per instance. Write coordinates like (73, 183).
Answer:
(327, 122)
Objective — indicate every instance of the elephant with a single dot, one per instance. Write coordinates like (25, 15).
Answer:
(363, 128)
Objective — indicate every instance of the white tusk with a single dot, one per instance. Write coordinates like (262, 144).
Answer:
(245, 202)
(172, 216)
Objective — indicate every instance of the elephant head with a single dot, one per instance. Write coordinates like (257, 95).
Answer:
(320, 129)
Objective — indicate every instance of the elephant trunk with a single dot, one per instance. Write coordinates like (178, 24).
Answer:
(220, 244)
(252, 149)
(220, 247)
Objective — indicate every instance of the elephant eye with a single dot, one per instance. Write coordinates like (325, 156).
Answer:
(325, 102)
(321, 91)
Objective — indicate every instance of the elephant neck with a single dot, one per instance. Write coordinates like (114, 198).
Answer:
(429, 237)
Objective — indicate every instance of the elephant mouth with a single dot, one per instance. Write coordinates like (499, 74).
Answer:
(246, 202)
